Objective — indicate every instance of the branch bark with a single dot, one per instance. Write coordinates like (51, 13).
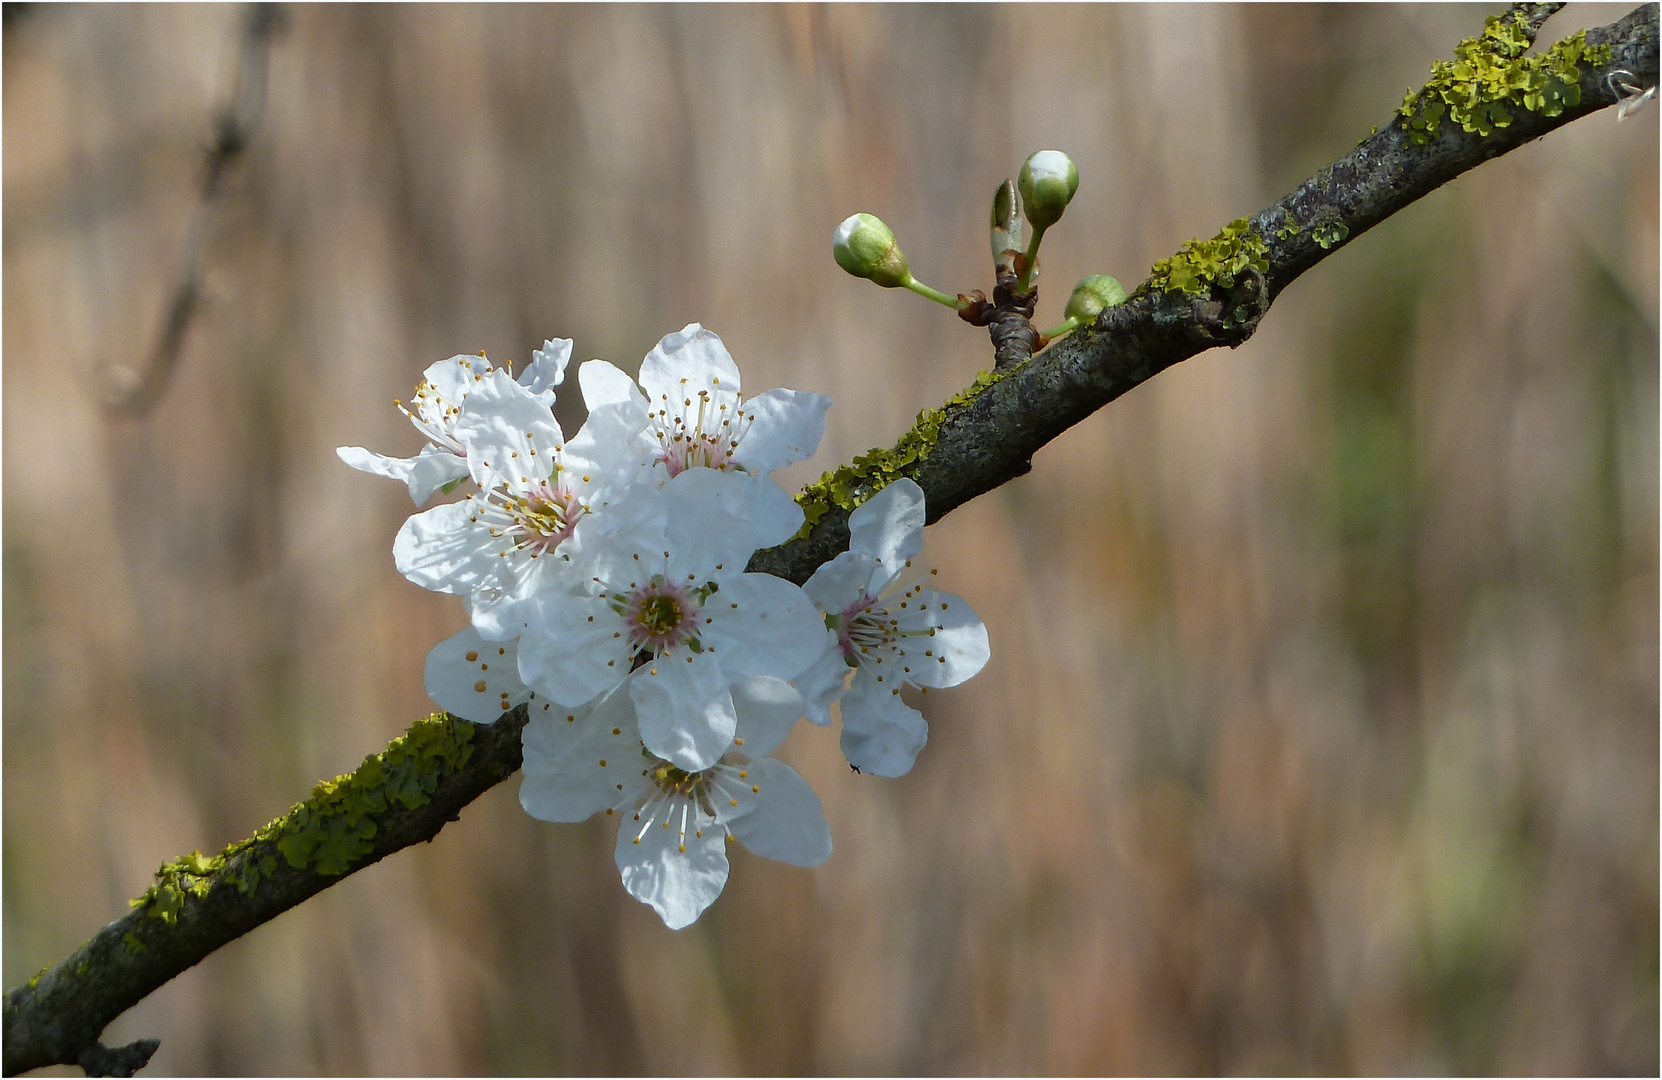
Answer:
(979, 442)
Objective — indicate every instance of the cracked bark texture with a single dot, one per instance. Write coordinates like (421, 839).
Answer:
(57, 1018)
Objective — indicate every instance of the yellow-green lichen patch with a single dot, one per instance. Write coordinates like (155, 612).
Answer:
(1199, 264)
(850, 485)
(329, 831)
(134, 945)
(1490, 76)
(1329, 232)
(336, 826)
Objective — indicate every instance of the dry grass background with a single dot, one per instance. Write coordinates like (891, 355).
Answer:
(1321, 733)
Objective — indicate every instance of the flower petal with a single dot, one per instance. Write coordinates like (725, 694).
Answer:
(881, 734)
(425, 473)
(845, 580)
(565, 656)
(614, 440)
(788, 426)
(889, 525)
(582, 762)
(475, 679)
(957, 649)
(378, 464)
(443, 549)
(787, 822)
(708, 521)
(767, 710)
(773, 514)
(511, 436)
(498, 606)
(603, 383)
(692, 359)
(719, 518)
(432, 469)
(763, 625)
(823, 682)
(684, 709)
(456, 377)
(674, 870)
(547, 368)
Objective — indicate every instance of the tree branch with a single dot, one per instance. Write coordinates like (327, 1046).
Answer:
(975, 442)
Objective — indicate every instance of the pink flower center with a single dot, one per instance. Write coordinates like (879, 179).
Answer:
(686, 450)
(661, 615)
(545, 516)
(701, 431)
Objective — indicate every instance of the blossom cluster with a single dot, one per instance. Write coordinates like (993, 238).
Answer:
(604, 577)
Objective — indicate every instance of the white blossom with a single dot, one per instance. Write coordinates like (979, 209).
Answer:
(694, 415)
(516, 535)
(671, 611)
(890, 633)
(675, 823)
(435, 409)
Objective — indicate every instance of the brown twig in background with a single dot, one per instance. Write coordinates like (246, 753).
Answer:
(135, 393)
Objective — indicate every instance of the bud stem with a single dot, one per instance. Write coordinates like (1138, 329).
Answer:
(1067, 327)
(933, 294)
(1031, 259)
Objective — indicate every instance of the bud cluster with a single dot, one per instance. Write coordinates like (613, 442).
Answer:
(1047, 183)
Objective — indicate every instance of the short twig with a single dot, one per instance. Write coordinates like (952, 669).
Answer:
(136, 392)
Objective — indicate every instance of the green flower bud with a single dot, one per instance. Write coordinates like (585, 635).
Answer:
(1047, 181)
(866, 248)
(1090, 296)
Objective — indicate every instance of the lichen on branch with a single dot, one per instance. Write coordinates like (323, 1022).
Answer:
(850, 485)
(329, 831)
(1201, 264)
(1490, 77)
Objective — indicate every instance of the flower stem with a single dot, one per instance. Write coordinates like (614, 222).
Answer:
(933, 294)
(1030, 260)
(1067, 327)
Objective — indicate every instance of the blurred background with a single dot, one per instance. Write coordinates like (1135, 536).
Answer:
(1321, 731)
